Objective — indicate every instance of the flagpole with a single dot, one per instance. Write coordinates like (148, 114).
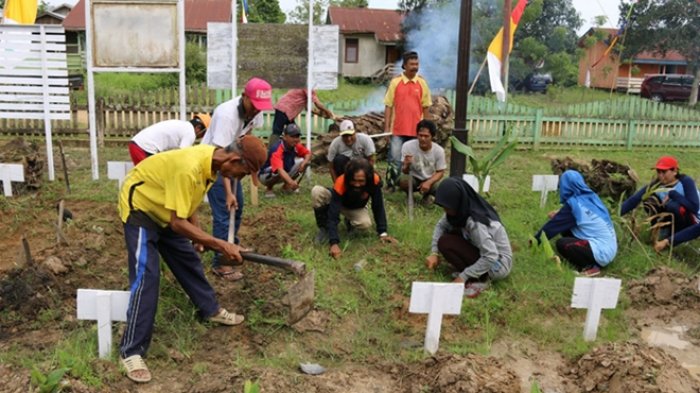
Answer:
(506, 45)
(458, 161)
(478, 73)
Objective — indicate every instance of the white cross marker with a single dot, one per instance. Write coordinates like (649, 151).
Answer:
(436, 300)
(474, 182)
(545, 184)
(117, 170)
(10, 173)
(594, 294)
(105, 307)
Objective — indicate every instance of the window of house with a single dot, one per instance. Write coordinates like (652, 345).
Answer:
(352, 46)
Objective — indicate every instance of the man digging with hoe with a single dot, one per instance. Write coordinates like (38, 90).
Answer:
(157, 205)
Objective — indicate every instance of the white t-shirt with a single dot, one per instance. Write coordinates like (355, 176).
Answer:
(363, 147)
(425, 163)
(166, 135)
(226, 126)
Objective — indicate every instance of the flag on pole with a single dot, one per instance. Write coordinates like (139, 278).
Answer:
(244, 12)
(618, 34)
(495, 53)
(20, 12)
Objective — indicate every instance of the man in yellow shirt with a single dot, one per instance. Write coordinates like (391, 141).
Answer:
(157, 204)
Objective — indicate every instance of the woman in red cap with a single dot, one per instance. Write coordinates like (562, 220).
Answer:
(674, 193)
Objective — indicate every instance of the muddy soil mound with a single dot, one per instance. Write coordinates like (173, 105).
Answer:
(606, 178)
(629, 368)
(19, 151)
(456, 374)
(665, 287)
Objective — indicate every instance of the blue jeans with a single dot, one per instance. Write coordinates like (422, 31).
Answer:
(397, 142)
(220, 214)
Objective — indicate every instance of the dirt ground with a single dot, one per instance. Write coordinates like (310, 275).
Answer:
(31, 287)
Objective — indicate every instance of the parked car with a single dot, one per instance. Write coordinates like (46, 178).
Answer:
(668, 87)
(535, 83)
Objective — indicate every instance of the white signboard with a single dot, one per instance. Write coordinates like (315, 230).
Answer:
(103, 307)
(117, 170)
(135, 34)
(473, 182)
(594, 294)
(325, 62)
(281, 60)
(8, 174)
(436, 300)
(544, 184)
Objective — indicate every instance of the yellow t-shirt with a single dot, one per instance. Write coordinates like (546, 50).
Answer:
(175, 180)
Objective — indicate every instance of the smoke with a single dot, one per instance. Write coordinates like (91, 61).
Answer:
(434, 34)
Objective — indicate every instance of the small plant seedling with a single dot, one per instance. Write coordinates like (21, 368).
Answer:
(48, 383)
(495, 157)
(251, 387)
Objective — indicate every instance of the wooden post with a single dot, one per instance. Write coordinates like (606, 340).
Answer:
(631, 133)
(100, 116)
(537, 129)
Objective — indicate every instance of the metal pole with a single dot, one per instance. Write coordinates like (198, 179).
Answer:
(181, 44)
(234, 48)
(92, 120)
(310, 76)
(506, 44)
(458, 162)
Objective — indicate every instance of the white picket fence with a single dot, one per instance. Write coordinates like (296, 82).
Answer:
(34, 77)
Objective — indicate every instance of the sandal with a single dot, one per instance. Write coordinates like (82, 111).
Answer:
(136, 369)
(228, 275)
(227, 318)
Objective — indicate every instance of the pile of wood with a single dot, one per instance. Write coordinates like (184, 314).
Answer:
(607, 178)
(19, 151)
(373, 123)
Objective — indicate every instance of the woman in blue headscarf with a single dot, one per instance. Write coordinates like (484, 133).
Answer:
(588, 237)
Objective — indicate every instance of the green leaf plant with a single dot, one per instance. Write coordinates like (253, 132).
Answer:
(481, 168)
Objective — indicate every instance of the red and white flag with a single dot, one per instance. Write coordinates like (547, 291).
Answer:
(495, 53)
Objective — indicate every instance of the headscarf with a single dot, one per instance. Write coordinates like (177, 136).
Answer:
(456, 194)
(574, 191)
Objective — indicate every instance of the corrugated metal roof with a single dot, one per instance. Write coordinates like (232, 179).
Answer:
(385, 24)
(197, 14)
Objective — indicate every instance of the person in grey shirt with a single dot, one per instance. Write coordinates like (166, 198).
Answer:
(424, 161)
(470, 236)
(348, 145)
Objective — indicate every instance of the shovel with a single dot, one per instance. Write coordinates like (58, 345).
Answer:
(300, 296)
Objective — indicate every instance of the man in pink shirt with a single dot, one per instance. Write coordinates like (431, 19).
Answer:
(290, 105)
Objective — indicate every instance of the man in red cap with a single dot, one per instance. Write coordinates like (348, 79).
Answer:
(672, 192)
(231, 120)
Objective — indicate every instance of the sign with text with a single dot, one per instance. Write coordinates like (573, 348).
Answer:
(277, 53)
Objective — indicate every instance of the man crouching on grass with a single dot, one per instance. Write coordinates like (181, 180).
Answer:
(157, 204)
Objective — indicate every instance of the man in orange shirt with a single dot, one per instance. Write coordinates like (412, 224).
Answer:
(407, 101)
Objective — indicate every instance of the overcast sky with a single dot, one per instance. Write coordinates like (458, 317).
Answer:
(588, 9)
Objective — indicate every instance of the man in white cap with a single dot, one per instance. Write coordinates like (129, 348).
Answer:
(232, 120)
(348, 145)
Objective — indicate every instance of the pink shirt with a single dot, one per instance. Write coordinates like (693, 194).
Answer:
(294, 101)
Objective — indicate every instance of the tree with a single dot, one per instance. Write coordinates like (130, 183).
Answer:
(265, 11)
(300, 13)
(547, 31)
(350, 3)
(664, 25)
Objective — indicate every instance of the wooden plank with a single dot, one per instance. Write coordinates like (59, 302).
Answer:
(16, 98)
(34, 115)
(32, 81)
(33, 72)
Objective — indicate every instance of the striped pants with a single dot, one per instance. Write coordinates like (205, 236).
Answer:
(144, 246)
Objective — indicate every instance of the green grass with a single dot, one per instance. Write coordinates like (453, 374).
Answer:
(367, 308)
(558, 96)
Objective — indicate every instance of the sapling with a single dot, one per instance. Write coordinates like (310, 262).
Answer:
(481, 168)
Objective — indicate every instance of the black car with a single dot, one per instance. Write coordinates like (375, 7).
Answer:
(668, 87)
(535, 83)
